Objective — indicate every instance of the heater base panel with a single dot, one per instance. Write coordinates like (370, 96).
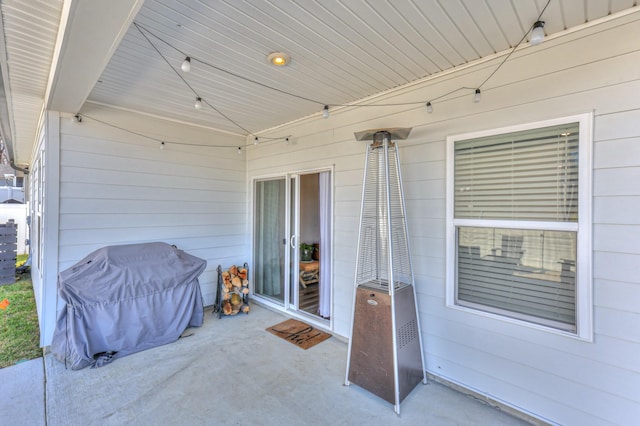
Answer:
(371, 362)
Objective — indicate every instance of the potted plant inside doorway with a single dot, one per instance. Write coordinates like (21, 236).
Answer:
(306, 252)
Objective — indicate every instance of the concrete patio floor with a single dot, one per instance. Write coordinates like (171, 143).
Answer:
(229, 372)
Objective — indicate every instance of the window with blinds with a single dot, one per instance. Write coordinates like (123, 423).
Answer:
(528, 175)
(525, 274)
(514, 213)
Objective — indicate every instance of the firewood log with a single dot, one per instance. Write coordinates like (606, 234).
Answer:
(226, 296)
(236, 282)
(227, 309)
(236, 299)
(233, 270)
(245, 308)
(242, 273)
(225, 289)
(245, 290)
(245, 283)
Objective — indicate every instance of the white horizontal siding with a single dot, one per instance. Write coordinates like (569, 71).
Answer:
(120, 188)
(43, 206)
(551, 376)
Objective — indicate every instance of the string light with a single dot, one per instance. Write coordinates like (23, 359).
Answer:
(186, 65)
(162, 145)
(139, 28)
(537, 33)
(239, 150)
(515, 47)
(286, 141)
(160, 141)
(255, 140)
(325, 111)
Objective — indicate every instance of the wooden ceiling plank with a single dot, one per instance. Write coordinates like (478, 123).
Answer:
(574, 12)
(416, 18)
(252, 64)
(256, 61)
(482, 16)
(596, 9)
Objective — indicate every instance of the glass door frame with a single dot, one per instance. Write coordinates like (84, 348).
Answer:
(292, 256)
(292, 236)
(283, 239)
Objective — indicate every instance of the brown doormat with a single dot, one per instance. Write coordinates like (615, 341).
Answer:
(300, 334)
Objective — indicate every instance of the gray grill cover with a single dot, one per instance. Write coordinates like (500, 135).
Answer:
(125, 299)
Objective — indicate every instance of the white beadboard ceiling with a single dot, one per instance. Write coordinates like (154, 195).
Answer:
(342, 51)
(29, 30)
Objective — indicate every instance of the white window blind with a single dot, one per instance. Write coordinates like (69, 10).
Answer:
(527, 175)
(525, 274)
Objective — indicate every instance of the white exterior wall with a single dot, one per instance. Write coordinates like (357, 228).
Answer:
(43, 229)
(556, 378)
(120, 188)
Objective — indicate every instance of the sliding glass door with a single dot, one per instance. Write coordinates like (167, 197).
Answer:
(270, 239)
(292, 242)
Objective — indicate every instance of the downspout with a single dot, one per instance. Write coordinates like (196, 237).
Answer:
(18, 168)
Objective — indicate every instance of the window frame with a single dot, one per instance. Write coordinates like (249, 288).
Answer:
(583, 227)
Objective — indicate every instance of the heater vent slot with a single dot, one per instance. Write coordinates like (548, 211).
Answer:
(407, 333)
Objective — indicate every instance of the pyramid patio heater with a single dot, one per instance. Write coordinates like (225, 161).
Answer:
(385, 348)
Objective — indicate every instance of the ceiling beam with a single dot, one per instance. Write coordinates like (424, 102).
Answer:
(90, 32)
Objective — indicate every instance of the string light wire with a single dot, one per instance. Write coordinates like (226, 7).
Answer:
(164, 143)
(144, 31)
(231, 73)
(319, 102)
(514, 47)
(140, 28)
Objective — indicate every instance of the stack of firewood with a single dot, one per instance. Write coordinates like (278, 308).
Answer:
(235, 288)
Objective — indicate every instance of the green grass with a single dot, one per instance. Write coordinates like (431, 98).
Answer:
(19, 331)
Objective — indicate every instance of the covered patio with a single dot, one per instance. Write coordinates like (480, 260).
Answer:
(229, 372)
(141, 121)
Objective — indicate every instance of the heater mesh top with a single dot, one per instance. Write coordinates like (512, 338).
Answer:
(383, 251)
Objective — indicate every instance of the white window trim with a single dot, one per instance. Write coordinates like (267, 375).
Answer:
(584, 279)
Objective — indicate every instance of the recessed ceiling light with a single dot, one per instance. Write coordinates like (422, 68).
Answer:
(279, 59)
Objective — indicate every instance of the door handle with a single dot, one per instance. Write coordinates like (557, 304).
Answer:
(292, 242)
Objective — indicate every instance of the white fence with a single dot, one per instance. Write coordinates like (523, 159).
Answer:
(12, 193)
(17, 212)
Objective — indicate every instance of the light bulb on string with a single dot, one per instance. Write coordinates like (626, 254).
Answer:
(239, 150)
(255, 140)
(537, 33)
(161, 145)
(198, 103)
(186, 64)
(286, 141)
